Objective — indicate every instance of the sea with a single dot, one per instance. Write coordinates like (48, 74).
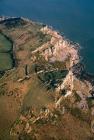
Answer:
(72, 18)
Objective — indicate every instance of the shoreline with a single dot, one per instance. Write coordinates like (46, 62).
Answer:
(77, 47)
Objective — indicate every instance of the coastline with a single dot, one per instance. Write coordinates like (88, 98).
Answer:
(8, 18)
(3, 19)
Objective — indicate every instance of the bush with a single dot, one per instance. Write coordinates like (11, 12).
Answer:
(83, 116)
(89, 101)
(77, 97)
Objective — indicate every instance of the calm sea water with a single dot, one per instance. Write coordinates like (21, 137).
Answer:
(74, 18)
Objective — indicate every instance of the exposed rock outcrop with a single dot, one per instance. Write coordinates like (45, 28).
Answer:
(61, 49)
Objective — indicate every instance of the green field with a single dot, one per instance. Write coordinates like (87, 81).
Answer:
(5, 44)
(6, 61)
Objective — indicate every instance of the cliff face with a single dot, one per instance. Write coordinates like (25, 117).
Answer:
(61, 49)
(48, 84)
(72, 83)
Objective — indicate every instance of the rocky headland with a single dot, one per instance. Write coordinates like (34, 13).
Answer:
(47, 94)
